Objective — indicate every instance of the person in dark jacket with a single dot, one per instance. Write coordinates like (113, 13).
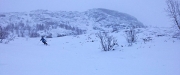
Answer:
(43, 40)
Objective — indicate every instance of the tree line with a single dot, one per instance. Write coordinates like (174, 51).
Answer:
(21, 29)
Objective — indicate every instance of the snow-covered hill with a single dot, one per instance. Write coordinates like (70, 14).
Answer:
(98, 18)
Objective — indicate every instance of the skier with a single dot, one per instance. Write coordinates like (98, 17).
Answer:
(43, 40)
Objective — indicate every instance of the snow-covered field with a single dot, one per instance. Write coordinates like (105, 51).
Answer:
(78, 55)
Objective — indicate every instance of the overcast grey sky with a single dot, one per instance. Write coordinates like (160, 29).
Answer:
(149, 12)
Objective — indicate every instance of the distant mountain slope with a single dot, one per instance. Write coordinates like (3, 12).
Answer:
(99, 19)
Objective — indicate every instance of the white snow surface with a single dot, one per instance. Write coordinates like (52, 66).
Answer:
(78, 55)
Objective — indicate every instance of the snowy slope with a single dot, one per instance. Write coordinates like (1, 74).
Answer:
(78, 55)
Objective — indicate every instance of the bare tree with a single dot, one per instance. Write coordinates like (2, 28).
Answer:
(107, 42)
(131, 36)
(173, 10)
(3, 34)
(22, 32)
(10, 37)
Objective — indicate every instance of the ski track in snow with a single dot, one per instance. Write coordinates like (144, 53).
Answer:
(77, 55)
